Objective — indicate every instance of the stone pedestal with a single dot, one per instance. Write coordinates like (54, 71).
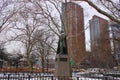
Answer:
(62, 65)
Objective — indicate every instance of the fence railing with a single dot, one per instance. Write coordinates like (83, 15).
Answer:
(50, 76)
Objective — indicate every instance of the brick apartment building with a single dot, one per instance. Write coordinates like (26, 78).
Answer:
(73, 18)
(100, 43)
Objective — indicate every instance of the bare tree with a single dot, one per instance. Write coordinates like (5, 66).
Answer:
(116, 32)
(7, 11)
(28, 23)
(44, 48)
(111, 8)
(115, 39)
(51, 11)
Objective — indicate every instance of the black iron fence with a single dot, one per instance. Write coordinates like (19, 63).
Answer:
(50, 76)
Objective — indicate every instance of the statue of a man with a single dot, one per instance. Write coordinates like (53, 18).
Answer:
(62, 45)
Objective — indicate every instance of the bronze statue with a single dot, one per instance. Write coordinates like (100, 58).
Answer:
(62, 45)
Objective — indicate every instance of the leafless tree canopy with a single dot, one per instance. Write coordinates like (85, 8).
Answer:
(111, 8)
(7, 11)
(32, 22)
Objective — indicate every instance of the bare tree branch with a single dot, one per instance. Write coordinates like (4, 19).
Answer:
(101, 11)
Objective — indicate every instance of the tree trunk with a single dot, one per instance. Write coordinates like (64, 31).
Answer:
(28, 62)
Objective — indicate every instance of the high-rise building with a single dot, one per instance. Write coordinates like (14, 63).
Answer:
(74, 28)
(100, 43)
(115, 28)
